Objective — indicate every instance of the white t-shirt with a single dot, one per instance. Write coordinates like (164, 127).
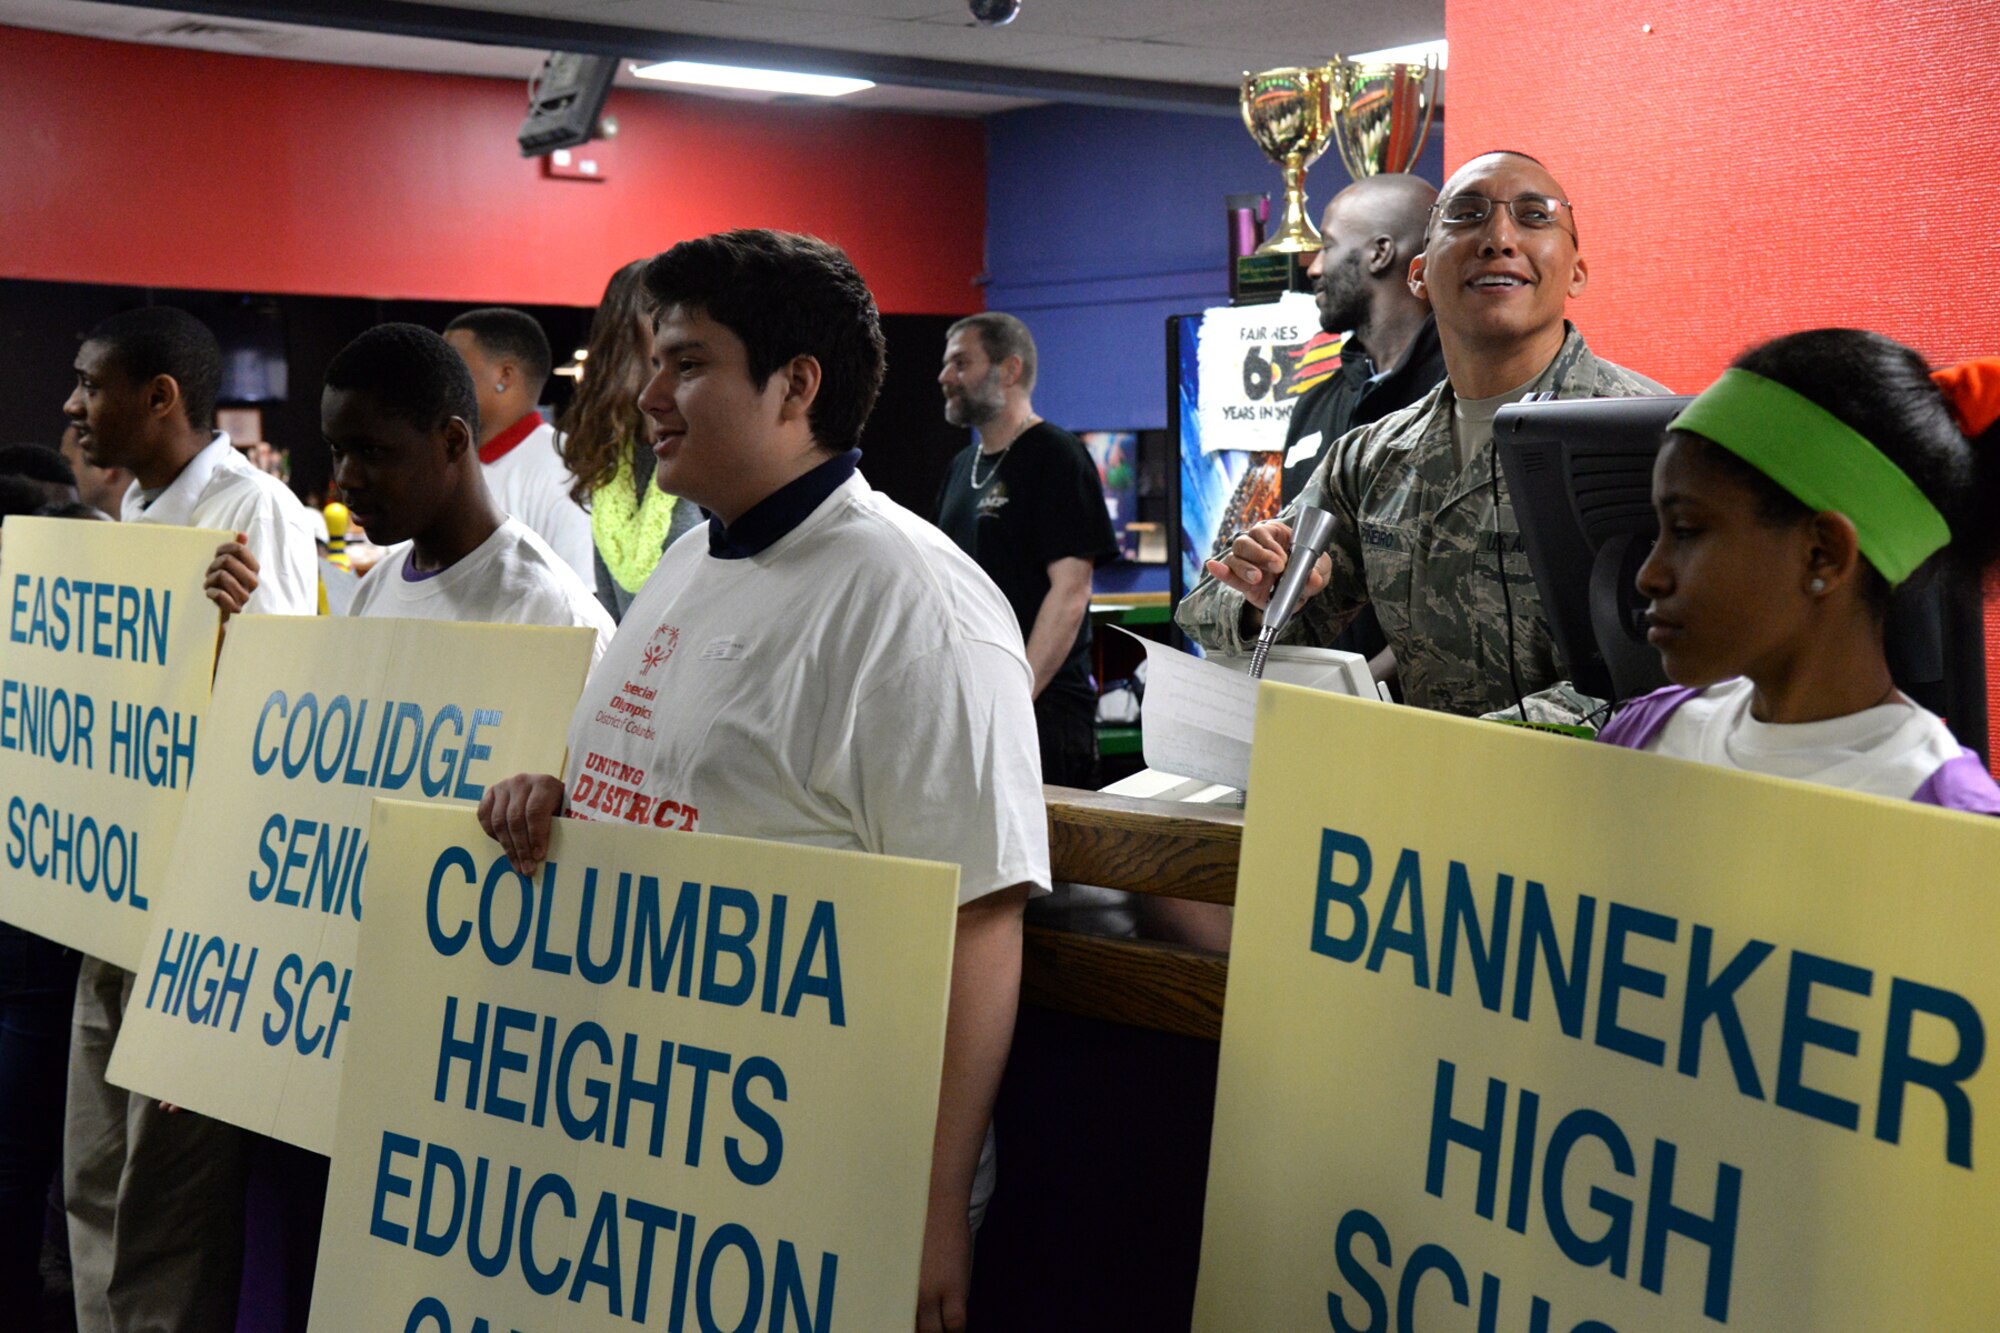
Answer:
(1889, 750)
(859, 684)
(511, 578)
(220, 489)
(531, 482)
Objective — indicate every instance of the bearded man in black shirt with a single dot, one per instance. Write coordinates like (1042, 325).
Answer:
(1025, 502)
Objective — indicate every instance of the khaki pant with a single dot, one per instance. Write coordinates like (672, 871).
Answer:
(155, 1199)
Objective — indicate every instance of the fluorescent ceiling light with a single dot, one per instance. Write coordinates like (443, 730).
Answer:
(754, 80)
(1412, 54)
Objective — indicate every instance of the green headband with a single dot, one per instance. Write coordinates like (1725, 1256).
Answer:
(1823, 462)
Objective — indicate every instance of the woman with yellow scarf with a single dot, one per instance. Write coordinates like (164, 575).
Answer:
(608, 444)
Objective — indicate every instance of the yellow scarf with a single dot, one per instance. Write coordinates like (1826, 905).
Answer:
(629, 534)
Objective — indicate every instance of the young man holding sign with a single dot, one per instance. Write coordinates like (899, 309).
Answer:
(400, 418)
(155, 1198)
(815, 665)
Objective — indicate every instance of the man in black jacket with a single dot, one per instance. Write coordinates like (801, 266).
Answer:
(1371, 231)
(1368, 236)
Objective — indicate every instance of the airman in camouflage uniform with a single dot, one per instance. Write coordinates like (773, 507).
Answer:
(1423, 527)
(1417, 537)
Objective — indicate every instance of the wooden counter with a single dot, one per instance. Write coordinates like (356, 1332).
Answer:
(1168, 849)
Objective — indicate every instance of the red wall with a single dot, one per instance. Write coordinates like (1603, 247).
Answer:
(1747, 169)
(160, 167)
(1743, 170)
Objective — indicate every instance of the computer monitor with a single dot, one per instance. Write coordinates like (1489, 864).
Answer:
(1580, 473)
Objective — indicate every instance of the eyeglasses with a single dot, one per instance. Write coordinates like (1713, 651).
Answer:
(1533, 211)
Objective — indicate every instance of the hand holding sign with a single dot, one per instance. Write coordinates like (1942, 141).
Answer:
(246, 987)
(516, 812)
(232, 576)
(673, 1081)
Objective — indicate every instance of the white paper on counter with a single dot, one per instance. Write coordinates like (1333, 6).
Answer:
(1198, 717)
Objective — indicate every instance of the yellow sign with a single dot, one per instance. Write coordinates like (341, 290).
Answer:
(676, 1081)
(104, 670)
(1525, 1033)
(245, 986)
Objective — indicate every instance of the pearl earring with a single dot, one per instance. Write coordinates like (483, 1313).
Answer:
(1817, 585)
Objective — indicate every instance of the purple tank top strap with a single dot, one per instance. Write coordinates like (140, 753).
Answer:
(1961, 784)
(1636, 724)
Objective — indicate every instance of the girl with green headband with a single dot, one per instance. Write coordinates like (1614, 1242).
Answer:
(1823, 469)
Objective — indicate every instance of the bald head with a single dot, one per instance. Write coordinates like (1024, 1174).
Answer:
(1396, 206)
(1538, 176)
(1371, 231)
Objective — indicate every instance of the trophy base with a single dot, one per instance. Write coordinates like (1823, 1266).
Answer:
(1259, 279)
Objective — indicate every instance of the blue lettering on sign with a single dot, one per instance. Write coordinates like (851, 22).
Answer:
(1362, 1246)
(332, 859)
(200, 976)
(1486, 1139)
(312, 1021)
(48, 722)
(112, 620)
(1612, 992)
(742, 940)
(433, 1199)
(63, 848)
(331, 742)
(518, 1066)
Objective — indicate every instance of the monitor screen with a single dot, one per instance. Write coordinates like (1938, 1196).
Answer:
(1580, 474)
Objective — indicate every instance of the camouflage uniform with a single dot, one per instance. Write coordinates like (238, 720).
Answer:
(1417, 538)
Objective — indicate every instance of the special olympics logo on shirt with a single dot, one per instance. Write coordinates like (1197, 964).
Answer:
(657, 652)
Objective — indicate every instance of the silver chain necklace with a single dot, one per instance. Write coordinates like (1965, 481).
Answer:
(998, 459)
(972, 473)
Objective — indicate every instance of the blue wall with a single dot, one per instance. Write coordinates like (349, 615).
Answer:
(1101, 223)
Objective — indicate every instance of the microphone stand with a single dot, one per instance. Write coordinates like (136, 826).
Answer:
(1311, 535)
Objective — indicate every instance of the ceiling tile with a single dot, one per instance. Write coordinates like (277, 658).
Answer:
(760, 23)
(964, 42)
(1316, 33)
(1161, 61)
(1114, 18)
(667, 14)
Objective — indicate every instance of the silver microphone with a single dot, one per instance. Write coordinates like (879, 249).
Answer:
(1311, 535)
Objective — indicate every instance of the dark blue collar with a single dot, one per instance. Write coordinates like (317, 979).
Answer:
(782, 510)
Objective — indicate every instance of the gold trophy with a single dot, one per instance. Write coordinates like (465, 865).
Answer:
(1382, 114)
(1289, 112)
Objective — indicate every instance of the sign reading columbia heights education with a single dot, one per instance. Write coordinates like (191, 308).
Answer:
(1532, 1035)
(673, 1081)
(246, 984)
(105, 660)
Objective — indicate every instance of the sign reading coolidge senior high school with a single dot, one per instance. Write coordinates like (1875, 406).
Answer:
(246, 982)
(106, 646)
(1530, 1034)
(673, 1081)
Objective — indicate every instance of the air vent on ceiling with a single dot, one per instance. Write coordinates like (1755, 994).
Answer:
(210, 36)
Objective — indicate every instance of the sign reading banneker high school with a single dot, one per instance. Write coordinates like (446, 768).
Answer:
(1525, 1033)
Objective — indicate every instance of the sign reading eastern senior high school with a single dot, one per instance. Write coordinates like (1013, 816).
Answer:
(105, 654)
(1525, 1033)
(673, 1081)
(246, 982)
